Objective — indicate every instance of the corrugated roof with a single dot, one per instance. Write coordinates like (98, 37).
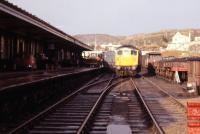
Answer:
(16, 8)
(5, 2)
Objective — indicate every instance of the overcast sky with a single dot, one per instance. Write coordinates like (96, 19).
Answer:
(115, 17)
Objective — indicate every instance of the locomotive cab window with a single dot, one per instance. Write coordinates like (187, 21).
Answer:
(119, 52)
(133, 52)
(126, 51)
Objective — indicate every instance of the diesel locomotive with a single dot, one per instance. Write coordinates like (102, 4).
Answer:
(127, 60)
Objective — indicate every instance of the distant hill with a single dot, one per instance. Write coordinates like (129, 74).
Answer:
(144, 41)
(100, 38)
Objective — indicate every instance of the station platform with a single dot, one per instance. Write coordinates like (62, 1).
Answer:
(175, 90)
(11, 79)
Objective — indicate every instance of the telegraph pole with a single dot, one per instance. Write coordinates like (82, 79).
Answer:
(95, 42)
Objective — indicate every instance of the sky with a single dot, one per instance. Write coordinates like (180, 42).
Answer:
(115, 17)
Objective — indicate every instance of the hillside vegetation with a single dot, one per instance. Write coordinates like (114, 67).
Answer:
(143, 41)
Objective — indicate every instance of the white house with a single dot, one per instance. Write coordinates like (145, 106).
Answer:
(179, 42)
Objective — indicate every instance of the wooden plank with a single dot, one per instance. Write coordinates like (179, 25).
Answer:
(179, 69)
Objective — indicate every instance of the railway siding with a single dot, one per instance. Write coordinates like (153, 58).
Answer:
(181, 70)
(175, 90)
(170, 117)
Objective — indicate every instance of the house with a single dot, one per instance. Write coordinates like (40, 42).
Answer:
(179, 42)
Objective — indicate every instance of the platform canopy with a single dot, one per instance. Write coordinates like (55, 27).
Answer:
(16, 20)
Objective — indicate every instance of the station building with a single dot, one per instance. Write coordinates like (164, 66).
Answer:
(29, 42)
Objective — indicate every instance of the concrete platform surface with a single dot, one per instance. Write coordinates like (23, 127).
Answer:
(14, 79)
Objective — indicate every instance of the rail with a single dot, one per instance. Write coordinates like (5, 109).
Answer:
(172, 97)
(83, 127)
(31, 121)
(158, 128)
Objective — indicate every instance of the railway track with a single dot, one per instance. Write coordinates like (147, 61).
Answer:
(70, 114)
(132, 106)
(167, 112)
(33, 107)
(123, 111)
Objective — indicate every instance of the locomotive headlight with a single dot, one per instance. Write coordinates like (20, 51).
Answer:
(133, 67)
(118, 67)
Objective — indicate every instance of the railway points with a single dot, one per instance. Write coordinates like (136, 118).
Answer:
(100, 112)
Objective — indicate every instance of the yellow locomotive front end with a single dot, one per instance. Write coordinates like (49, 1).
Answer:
(127, 61)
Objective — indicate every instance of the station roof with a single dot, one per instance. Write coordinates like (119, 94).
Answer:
(17, 20)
